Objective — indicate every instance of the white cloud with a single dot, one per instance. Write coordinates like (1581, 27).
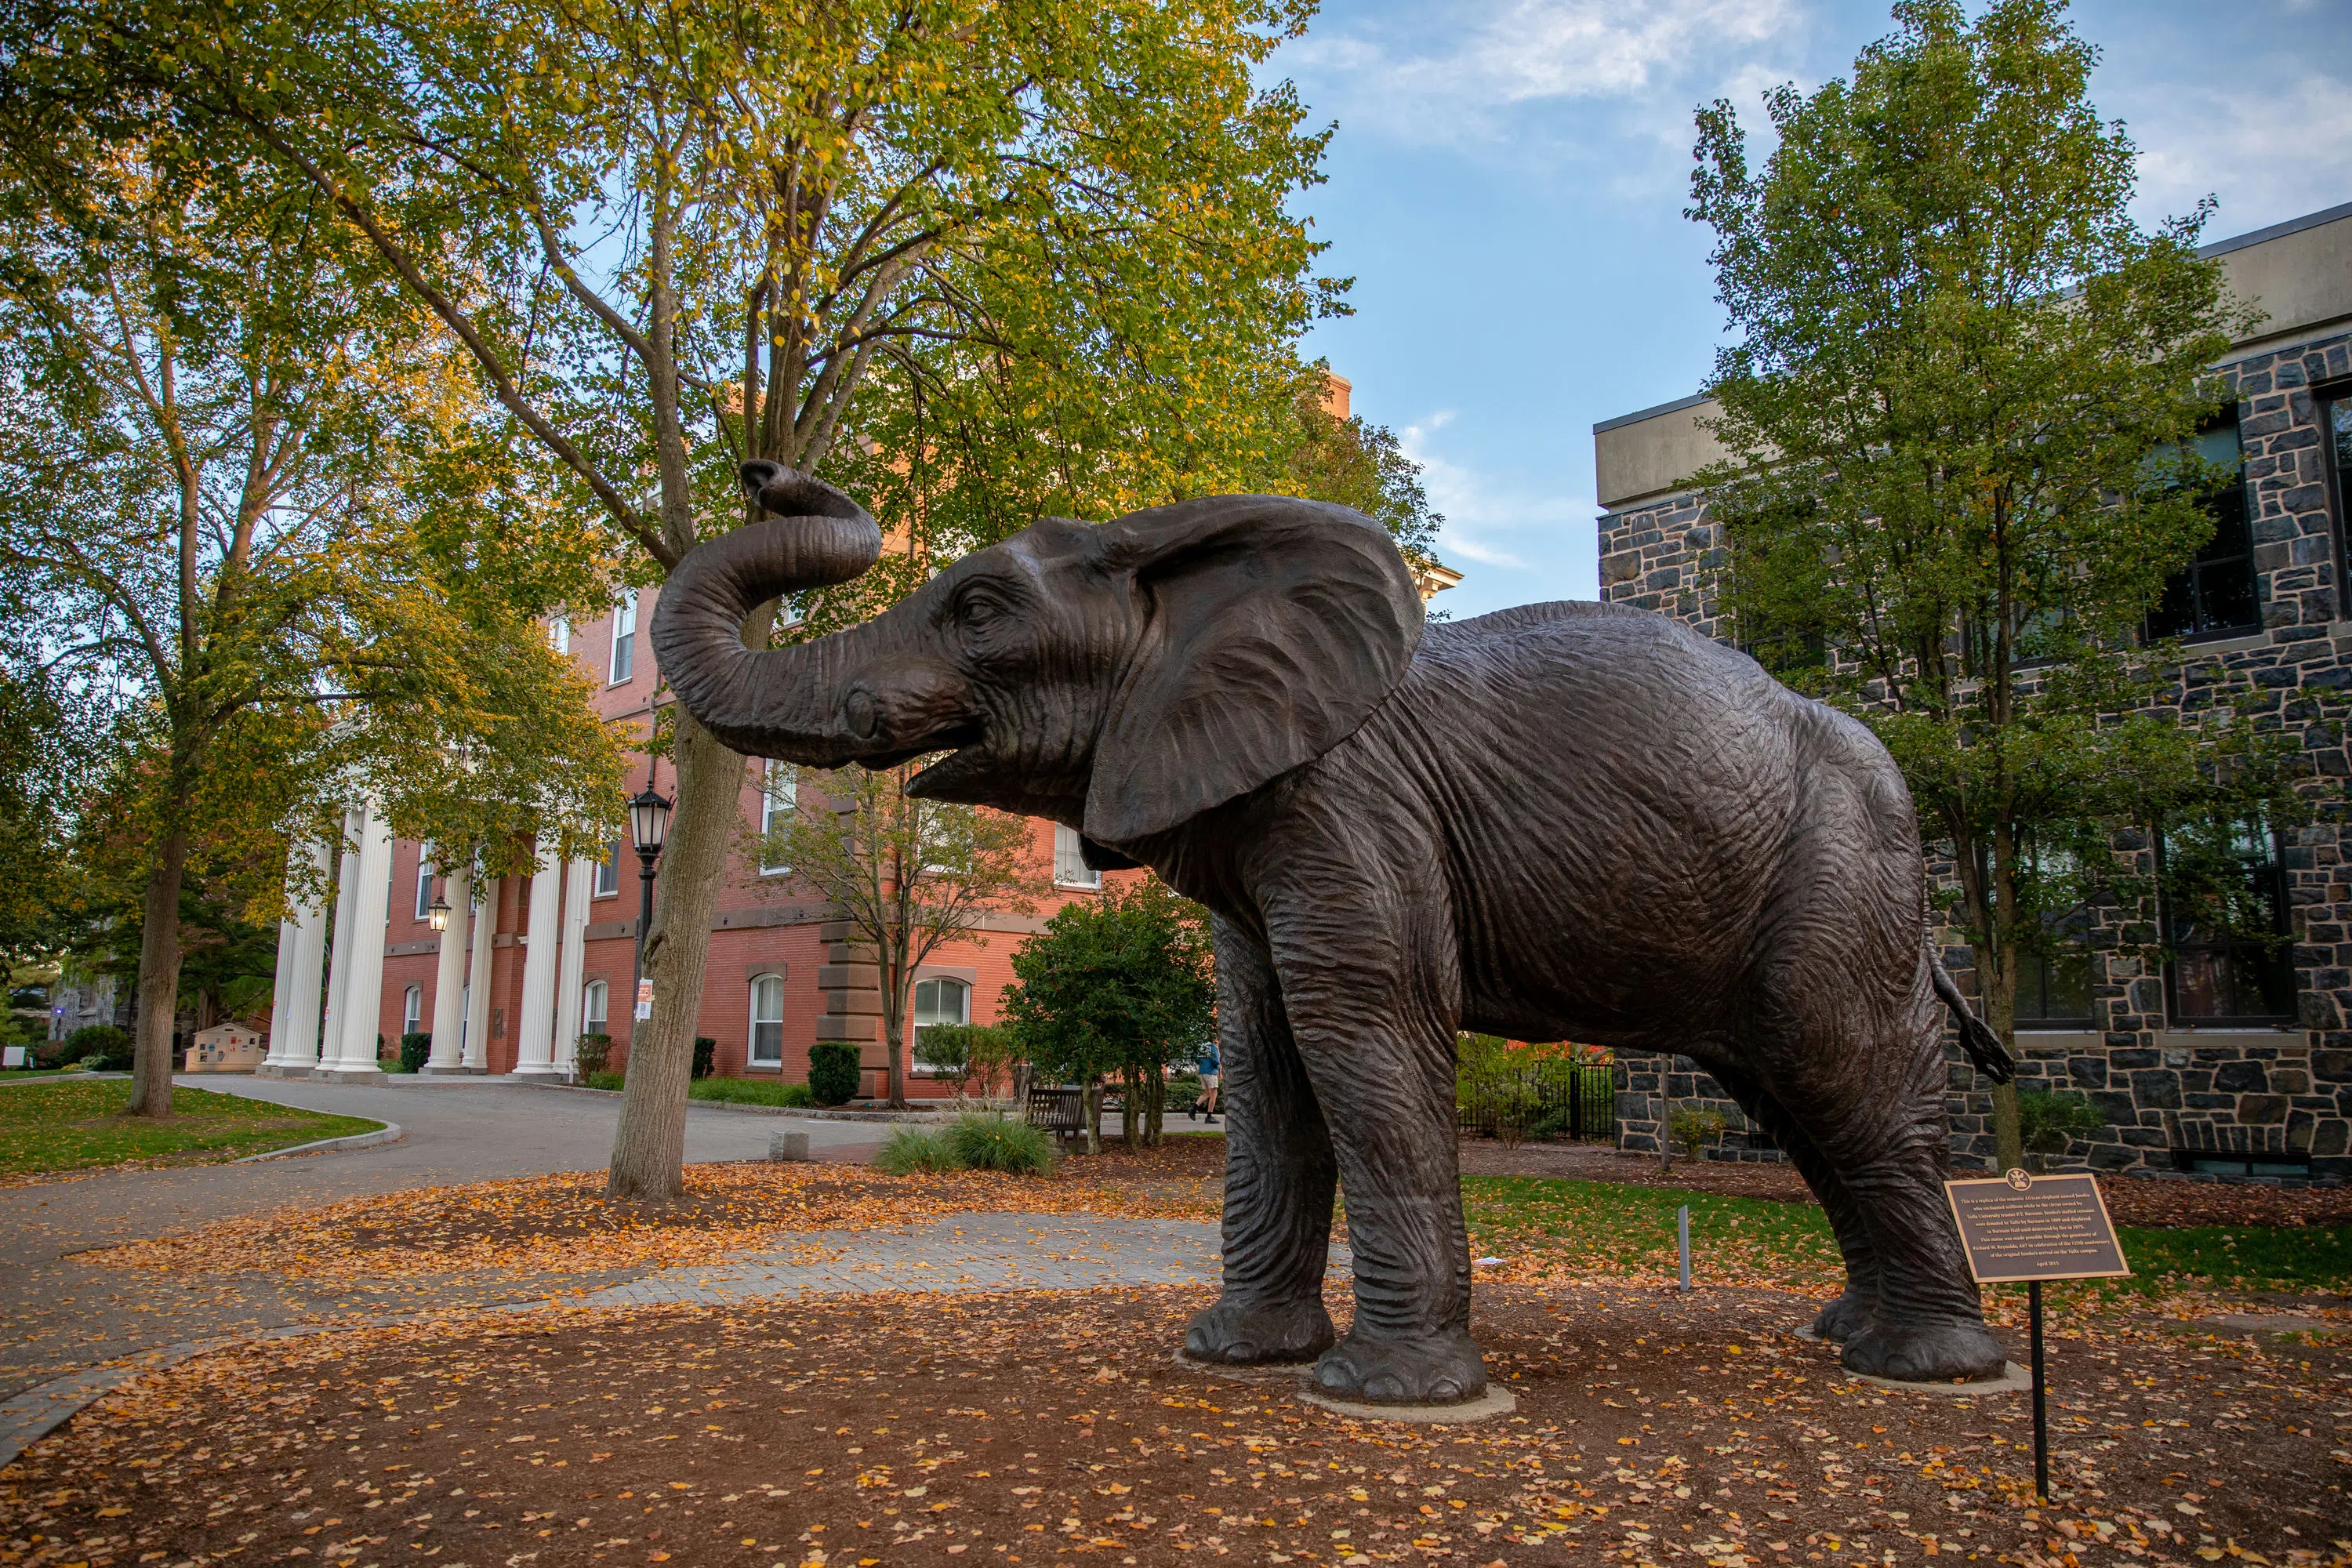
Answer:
(1536, 544)
(2270, 155)
(1446, 78)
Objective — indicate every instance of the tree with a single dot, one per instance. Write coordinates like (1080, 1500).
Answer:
(238, 539)
(1357, 463)
(1122, 985)
(906, 874)
(1959, 412)
(671, 238)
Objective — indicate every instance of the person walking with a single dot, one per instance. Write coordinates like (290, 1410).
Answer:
(1206, 1106)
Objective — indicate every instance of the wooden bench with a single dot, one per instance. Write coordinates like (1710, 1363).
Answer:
(1060, 1110)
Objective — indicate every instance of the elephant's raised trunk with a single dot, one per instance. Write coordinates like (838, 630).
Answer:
(766, 702)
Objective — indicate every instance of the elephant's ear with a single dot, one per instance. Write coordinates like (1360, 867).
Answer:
(1272, 627)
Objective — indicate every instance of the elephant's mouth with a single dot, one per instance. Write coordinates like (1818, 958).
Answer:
(967, 749)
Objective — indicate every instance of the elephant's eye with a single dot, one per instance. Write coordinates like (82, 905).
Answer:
(979, 610)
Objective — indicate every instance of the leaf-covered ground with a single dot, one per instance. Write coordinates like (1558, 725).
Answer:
(563, 1223)
(1651, 1429)
(68, 1125)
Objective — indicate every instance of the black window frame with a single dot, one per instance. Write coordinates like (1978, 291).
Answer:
(2276, 955)
(2070, 930)
(2206, 565)
(2337, 482)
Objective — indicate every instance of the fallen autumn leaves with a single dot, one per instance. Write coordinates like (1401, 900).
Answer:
(1651, 1429)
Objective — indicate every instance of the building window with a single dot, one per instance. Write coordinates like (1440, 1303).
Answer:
(2225, 924)
(1070, 868)
(559, 634)
(940, 1002)
(412, 1010)
(624, 636)
(595, 1008)
(2213, 595)
(2339, 442)
(423, 881)
(768, 1021)
(779, 789)
(608, 870)
(2053, 971)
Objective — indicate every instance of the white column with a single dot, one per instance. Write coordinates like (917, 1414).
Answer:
(367, 880)
(347, 899)
(301, 958)
(571, 966)
(535, 1034)
(449, 973)
(477, 1058)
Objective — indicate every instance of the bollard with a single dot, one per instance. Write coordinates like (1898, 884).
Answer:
(1682, 1236)
(788, 1146)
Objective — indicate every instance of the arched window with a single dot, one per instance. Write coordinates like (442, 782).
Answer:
(595, 1008)
(412, 1010)
(942, 1002)
(768, 1021)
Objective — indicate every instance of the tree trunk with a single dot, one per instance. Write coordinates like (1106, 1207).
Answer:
(1130, 1087)
(1997, 986)
(159, 978)
(1090, 1104)
(1155, 1105)
(649, 1145)
(894, 1031)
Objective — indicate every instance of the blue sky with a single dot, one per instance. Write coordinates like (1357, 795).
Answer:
(1508, 182)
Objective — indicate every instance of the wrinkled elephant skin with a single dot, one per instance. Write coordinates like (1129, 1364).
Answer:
(1564, 821)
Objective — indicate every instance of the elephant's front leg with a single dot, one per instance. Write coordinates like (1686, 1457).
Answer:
(1373, 1011)
(1280, 1177)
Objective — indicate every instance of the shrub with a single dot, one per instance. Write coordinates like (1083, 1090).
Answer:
(706, 1052)
(753, 1091)
(415, 1049)
(913, 1149)
(1691, 1128)
(602, 1080)
(103, 1041)
(593, 1055)
(832, 1072)
(1000, 1143)
(2047, 1122)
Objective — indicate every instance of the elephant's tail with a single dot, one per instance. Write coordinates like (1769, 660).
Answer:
(1976, 1038)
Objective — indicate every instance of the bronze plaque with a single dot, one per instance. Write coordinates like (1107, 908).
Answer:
(2020, 1226)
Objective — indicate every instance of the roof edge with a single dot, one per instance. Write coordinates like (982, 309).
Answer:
(1693, 401)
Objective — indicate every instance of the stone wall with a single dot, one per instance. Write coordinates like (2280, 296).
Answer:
(2166, 1091)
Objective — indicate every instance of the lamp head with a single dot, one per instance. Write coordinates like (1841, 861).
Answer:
(648, 821)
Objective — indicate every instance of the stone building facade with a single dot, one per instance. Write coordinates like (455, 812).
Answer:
(2225, 1061)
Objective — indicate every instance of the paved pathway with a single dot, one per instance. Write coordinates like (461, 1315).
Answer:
(62, 1314)
(956, 1252)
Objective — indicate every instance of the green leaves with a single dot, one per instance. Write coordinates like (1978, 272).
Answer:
(1115, 984)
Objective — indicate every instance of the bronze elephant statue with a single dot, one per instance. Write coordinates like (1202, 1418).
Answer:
(1560, 821)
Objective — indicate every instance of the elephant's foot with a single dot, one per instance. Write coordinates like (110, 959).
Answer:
(1243, 1333)
(1843, 1318)
(1442, 1368)
(1936, 1350)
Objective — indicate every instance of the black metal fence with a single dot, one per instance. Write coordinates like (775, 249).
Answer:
(1539, 1100)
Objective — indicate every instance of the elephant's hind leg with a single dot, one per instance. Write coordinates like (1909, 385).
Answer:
(1279, 1177)
(1842, 1317)
(1877, 1119)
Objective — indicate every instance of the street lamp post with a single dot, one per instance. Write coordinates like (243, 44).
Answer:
(648, 825)
(438, 916)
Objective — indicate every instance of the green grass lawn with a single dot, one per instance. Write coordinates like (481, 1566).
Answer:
(1603, 1228)
(73, 1126)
